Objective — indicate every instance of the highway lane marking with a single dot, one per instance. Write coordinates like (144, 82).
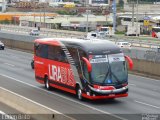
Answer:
(4, 116)
(36, 103)
(93, 108)
(9, 64)
(157, 80)
(147, 104)
(132, 84)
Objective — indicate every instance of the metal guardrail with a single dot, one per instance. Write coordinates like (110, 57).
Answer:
(139, 43)
(135, 41)
(43, 32)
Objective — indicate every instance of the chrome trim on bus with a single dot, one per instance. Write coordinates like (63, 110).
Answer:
(109, 91)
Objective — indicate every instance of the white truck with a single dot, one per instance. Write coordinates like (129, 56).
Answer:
(108, 31)
(101, 32)
(133, 30)
(95, 35)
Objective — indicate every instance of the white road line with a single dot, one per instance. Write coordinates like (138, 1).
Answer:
(9, 64)
(157, 80)
(4, 116)
(147, 104)
(104, 112)
(132, 84)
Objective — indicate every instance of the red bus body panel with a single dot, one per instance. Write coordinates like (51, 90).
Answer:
(154, 34)
(59, 73)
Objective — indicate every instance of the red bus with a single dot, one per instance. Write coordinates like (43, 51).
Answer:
(93, 69)
(156, 32)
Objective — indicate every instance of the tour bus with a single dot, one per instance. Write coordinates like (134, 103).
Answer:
(156, 32)
(92, 69)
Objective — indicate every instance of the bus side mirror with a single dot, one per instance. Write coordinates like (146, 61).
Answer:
(89, 66)
(129, 61)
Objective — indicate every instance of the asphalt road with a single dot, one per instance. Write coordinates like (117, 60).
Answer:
(7, 109)
(16, 75)
(7, 112)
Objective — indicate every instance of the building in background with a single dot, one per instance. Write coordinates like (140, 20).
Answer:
(3, 5)
(66, 22)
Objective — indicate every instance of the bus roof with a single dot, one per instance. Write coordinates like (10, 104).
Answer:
(94, 46)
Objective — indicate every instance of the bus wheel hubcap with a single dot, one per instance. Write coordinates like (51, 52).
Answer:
(79, 94)
(47, 84)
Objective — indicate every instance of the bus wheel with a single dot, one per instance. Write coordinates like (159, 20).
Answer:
(79, 93)
(47, 86)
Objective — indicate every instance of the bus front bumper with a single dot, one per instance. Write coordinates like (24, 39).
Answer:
(107, 92)
(111, 96)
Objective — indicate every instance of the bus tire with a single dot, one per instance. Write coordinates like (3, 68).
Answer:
(47, 86)
(79, 93)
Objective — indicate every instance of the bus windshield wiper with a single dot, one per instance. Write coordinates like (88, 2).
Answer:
(108, 70)
(116, 77)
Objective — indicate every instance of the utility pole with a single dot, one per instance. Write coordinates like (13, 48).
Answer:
(34, 13)
(137, 20)
(87, 22)
(3, 5)
(132, 14)
(87, 11)
(44, 15)
(40, 17)
(114, 15)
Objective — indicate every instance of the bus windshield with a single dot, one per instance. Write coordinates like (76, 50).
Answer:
(108, 69)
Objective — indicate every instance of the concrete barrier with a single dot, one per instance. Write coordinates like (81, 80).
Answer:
(23, 45)
(32, 110)
(149, 68)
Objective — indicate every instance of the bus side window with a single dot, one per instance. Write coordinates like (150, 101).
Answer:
(63, 57)
(51, 52)
(42, 50)
(57, 54)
